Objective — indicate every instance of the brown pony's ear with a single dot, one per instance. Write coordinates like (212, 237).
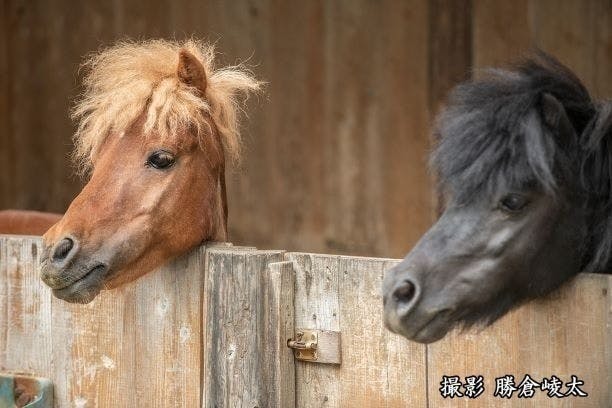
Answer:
(191, 71)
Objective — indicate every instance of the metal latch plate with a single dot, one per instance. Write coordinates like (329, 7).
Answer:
(318, 346)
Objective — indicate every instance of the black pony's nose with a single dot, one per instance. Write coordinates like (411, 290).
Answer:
(404, 292)
(63, 251)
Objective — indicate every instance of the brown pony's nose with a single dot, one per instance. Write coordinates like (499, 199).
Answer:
(64, 251)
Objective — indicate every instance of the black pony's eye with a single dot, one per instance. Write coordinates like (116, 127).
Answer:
(513, 203)
(160, 160)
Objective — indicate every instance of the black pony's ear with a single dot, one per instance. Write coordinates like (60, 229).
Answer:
(555, 118)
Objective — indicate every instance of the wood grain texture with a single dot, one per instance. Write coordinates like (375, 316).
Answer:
(378, 369)
(501, 32)
(450, 58)
(278, 287)
(450, 47)
(566, 334)
(245, 326)
(210, 329)
(336, 151)
(138, 346)
(577, 32)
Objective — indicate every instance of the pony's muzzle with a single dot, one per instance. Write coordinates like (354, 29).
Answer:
(63, 251)
(56, 259)
(401, 299)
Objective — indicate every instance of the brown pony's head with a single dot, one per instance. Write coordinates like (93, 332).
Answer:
(156, 121)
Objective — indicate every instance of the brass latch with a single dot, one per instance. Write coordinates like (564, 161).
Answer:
(304, 345)
(318, 346)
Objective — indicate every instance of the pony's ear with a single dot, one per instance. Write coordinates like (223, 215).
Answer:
(555, 118)
(190, 71)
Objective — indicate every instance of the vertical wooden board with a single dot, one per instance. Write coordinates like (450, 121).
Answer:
(450, 48)
(30, 323)
(234, 368)
(409, 204)
(501, 31)
(376, 122)
(138, 345)
(6, 180)
(378, 368)
(316, 307)
(278, 369)
(566, 334)
(578, 33)
(450, 58)
(602, 42)
(402, 354)
(284, 142)
(25, 312)
(241, 31)
(47, 41)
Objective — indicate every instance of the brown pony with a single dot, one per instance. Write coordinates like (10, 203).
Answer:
(155, 123)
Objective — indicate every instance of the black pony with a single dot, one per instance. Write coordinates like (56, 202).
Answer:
(525, 161)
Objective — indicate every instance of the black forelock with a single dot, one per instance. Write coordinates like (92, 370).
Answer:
(491, 131)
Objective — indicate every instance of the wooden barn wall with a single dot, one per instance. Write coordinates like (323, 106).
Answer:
(336, 149)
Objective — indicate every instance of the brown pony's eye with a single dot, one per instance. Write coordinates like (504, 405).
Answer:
(513, 203)
(160, 160)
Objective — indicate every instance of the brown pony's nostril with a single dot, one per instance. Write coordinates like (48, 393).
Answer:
(404, 292)
(63, 249)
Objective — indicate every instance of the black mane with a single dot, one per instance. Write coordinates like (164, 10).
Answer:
(491, 132)
(596, 179)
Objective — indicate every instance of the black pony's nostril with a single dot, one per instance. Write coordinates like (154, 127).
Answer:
(63, 249)
(404, 292)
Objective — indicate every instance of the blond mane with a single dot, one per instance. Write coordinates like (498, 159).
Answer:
(132, 78)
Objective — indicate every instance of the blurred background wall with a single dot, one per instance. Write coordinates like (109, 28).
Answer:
(336, 150)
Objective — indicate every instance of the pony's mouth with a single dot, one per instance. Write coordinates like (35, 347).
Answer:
(85, 288)
(432, 330)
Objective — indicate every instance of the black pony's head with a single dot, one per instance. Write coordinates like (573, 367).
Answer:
(512, 164)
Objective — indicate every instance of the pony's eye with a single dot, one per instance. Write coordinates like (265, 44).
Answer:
(513, 203)
(160, 160)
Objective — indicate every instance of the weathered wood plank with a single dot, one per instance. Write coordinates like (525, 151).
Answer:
(501, 31)
(566, 334)
(378, 369)
(450, 47)
(278, 370)
(450, 57)
(316, 307)
(6, 181)
(585, 44)
(242, 321)
(137, 346)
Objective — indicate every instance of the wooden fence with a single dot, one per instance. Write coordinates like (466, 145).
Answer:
(211, 330)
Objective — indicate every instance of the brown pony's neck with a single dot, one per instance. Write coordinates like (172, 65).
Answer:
(220, 234)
